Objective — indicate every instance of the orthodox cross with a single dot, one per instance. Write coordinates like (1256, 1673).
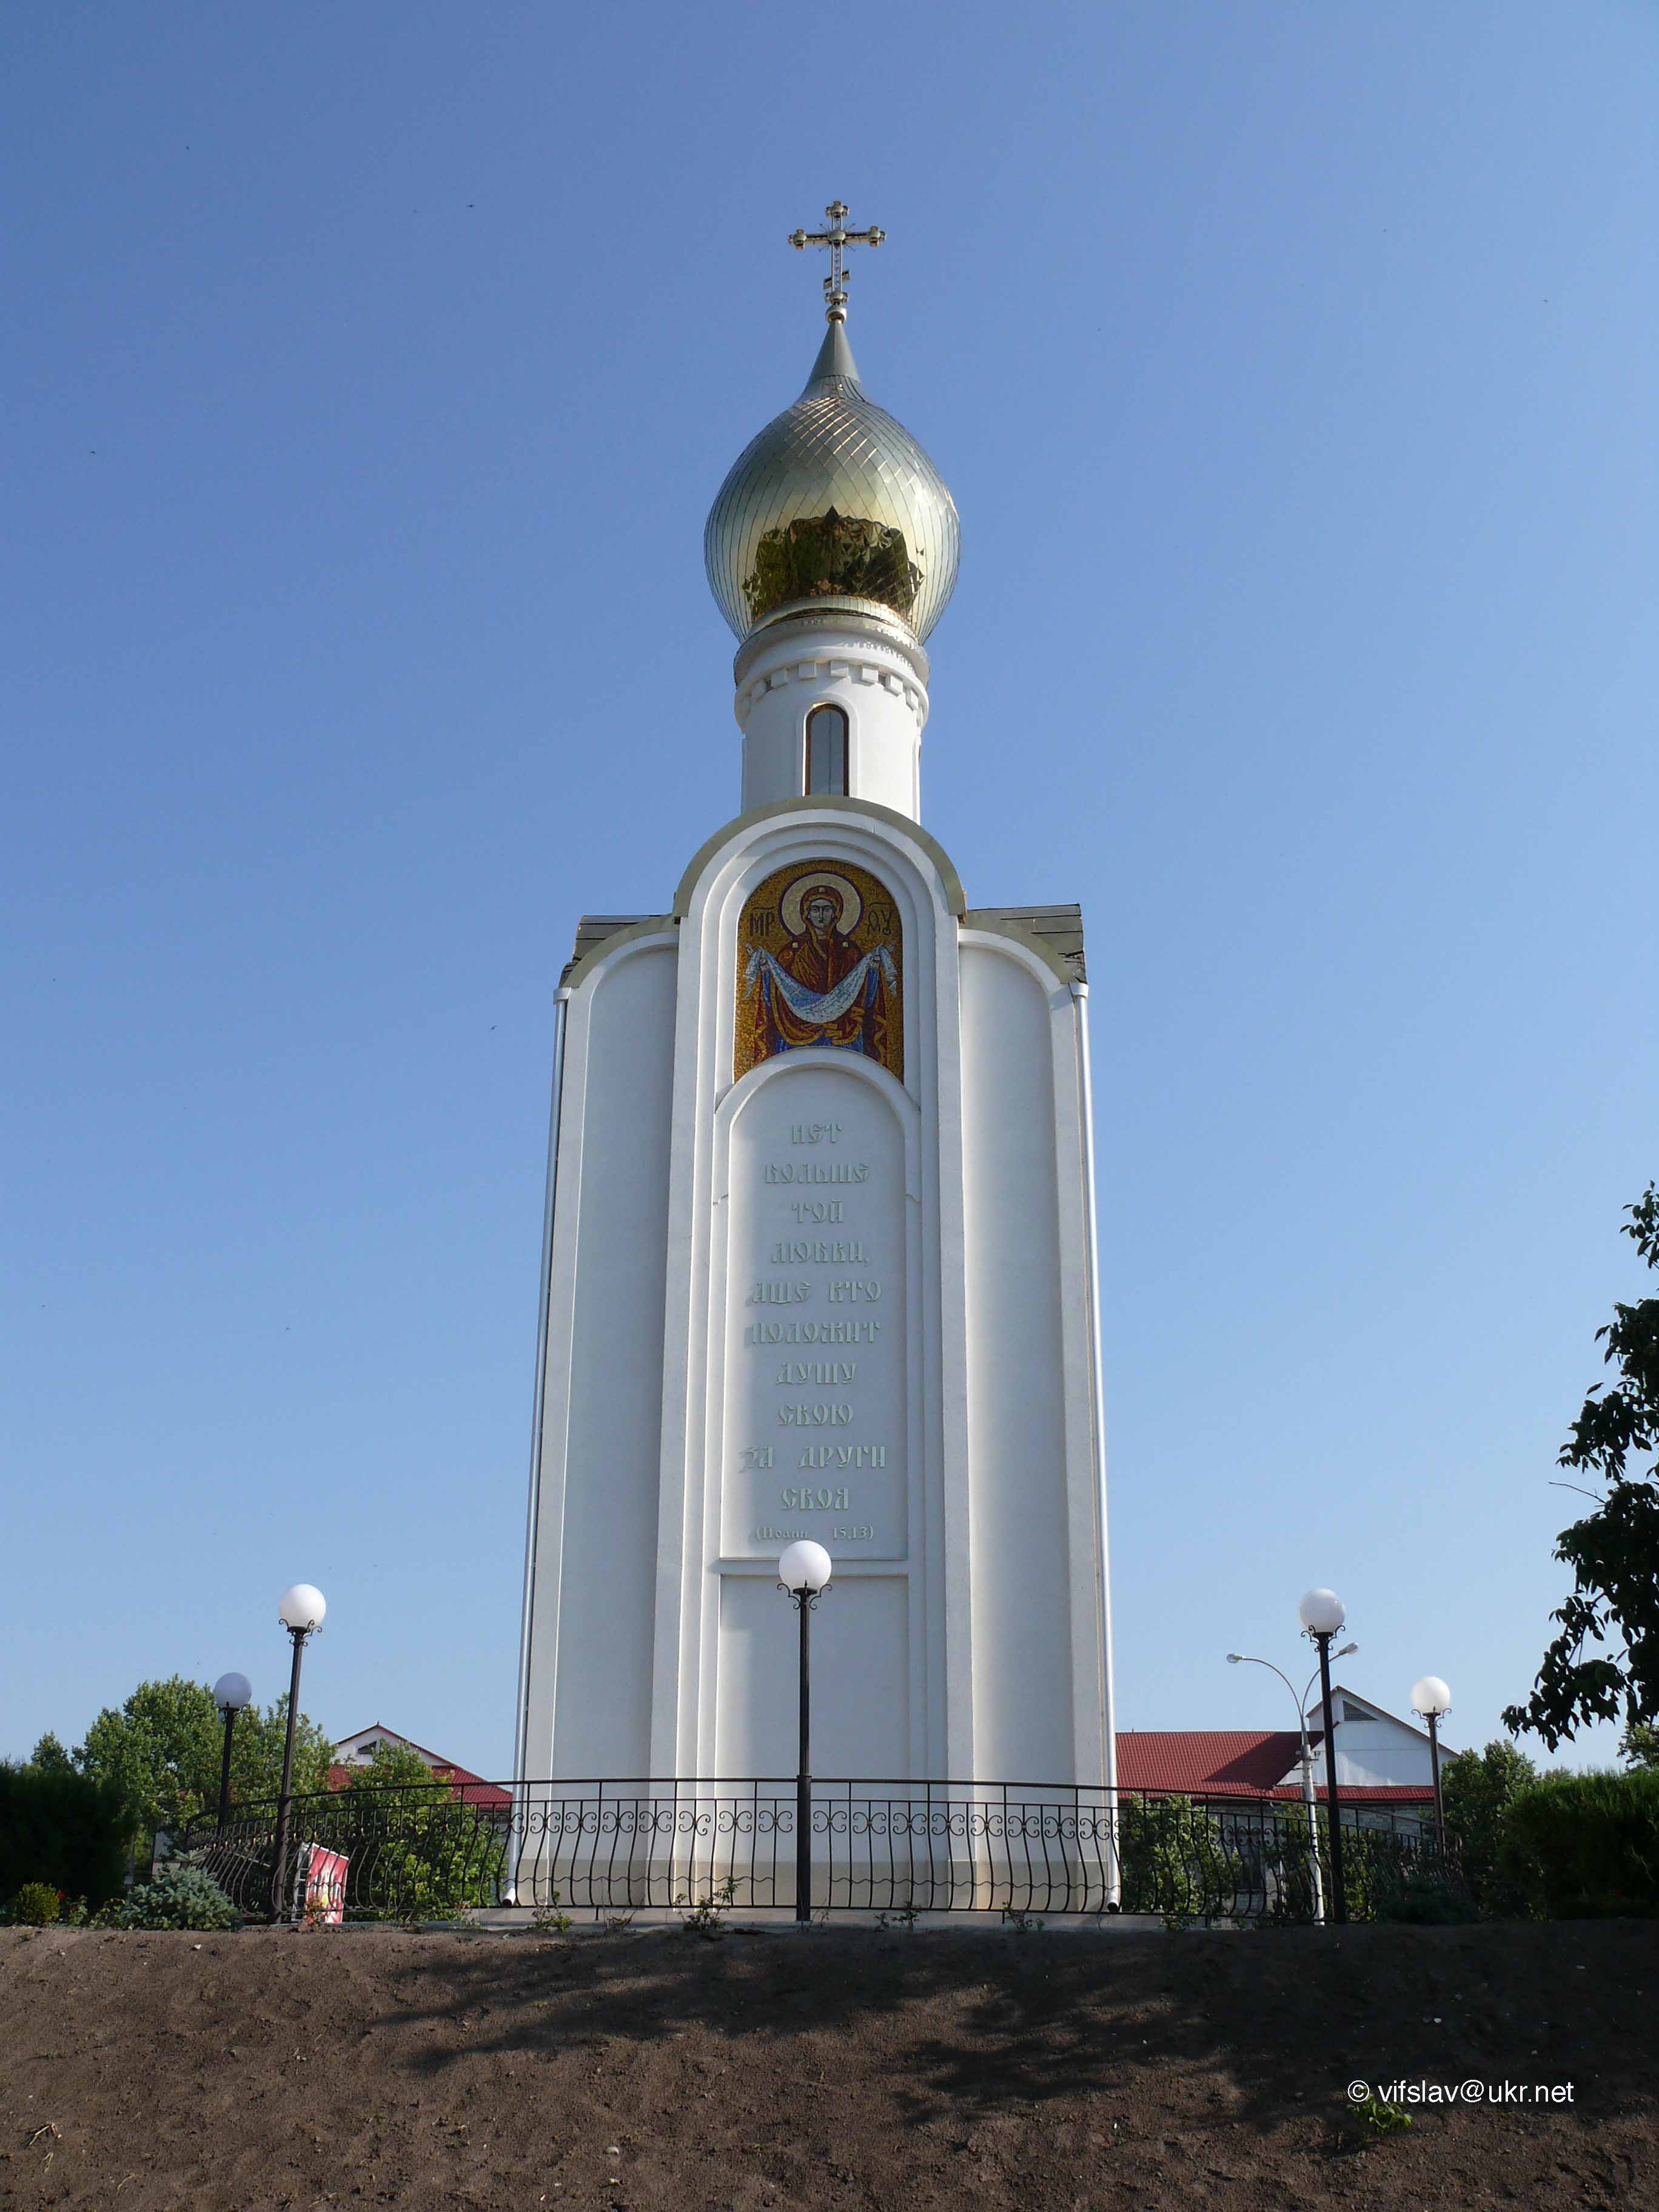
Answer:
(837, 238)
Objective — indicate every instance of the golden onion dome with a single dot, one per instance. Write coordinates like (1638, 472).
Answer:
(834, 500)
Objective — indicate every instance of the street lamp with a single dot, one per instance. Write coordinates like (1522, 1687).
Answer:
(1244, 1659)
(231, 1693)
(803, 1572)
(1431, 1701)
(300, 1610)
(1321, 1616)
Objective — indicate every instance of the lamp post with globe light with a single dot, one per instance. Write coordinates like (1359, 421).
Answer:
(232, 1693)
(1244, 1659)
(1431, 1701)
(802, 1572)
(1321, 1617)
(300, 1610)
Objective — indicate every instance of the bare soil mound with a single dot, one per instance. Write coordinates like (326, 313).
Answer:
(844, 2067)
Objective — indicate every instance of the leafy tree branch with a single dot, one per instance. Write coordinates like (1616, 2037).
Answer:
(1604, 1664)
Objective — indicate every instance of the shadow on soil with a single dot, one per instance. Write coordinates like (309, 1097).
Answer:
(1288, 2017)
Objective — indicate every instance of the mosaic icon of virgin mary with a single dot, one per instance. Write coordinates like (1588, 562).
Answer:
(819, 966)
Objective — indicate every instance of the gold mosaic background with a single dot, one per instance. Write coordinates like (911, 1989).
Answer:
(777, 921)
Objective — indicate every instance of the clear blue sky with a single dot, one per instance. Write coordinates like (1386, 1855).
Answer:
(369, 372)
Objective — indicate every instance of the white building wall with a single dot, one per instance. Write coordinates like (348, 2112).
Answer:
(1377, 1753)
(694, 1719)
(592, 1585)
(1042, 1675)
(860, 1713)
(965, 1633)
(877, 682)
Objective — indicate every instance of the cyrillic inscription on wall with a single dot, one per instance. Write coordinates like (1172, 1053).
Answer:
(816, 1360)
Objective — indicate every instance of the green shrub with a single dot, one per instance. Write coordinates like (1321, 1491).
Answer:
(36, 1904)
(182, 1895)
(1175, 1863)
(1586, 1846)
(1387, 1874)
(67, 1830)
(1423, 1899)
(418, 1850)
(1480, 1787)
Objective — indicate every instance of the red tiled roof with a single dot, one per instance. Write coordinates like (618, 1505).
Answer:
(1234, 1762)
(471, 1789)
(1251, 1761)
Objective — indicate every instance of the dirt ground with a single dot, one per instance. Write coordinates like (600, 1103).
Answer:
(846, 2066)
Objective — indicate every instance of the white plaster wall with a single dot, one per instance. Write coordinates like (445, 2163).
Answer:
(688, 1699)
(875, 686)
(972, 1642)
(594, 1582)
(1017, 1414)
(1375, 1754)
(861, 1666)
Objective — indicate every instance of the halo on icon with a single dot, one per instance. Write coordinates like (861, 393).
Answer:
(816, 879)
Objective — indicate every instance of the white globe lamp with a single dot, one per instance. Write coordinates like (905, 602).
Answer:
(300, 1608)
(1430, 1697)
(1321, 1613)
(805, 1566)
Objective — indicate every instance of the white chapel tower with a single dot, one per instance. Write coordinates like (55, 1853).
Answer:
(820, 1251)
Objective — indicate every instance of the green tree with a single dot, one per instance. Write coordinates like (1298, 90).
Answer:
(1639, 1744)
(256, 1758)
(63, 1828)
(1478, 1788)
(162, 1749)
(424, 1853)
(1614, 1551)
(51, 1757)
(395, 1766)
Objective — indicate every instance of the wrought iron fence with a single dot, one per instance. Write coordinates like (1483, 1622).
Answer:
(894, 1847)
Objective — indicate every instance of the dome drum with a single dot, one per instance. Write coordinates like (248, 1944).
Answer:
(804, 627)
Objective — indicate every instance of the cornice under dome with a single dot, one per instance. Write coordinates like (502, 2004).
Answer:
(835, 501)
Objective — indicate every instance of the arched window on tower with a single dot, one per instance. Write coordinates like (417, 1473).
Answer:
(826, 751)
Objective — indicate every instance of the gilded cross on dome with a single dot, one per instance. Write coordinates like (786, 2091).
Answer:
(837, 238)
